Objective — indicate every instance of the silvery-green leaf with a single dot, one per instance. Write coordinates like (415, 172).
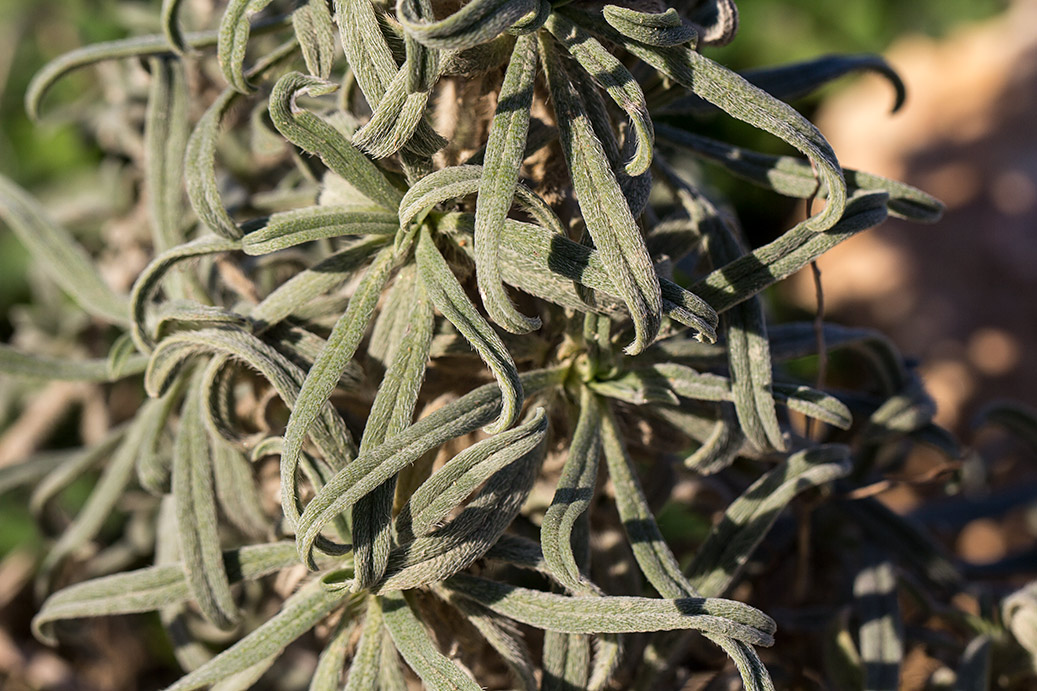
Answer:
(18, 364)
(795, 177)
(366, 49)
(397, 122)
(421, 61)
(566, 661)
(324, 375)
(505, 149)
(740, 99)
(71, 469)
(447, 488)
(453, 546)
(171, 26)
(477, 22)
(165, 134)
(316, 136)
(200, 169)
(455, 182)
(236, 490)
(792, 82)
(133, 47)
(611, 75)
(196, 514)
(290, 228)
(635, 387)
(881, 629)
(178, 315)
(300, 613)
(654, 557)
(611, 225)
(450, 299)
(436, 670)
(116, 475)
(367, 471)
(477, 59)
(364, 667)
(329, 432)
(663, 29)
(121, 356)
(37, 466)
(749, 365)
(903, 412)
(720, 438)
(503, 635)
(527, 250)
(391, 413)
(749, 518)
(200, 158)
(316, 35)
(375, 69)
(748, 351)
(616, 614)
(728, 285)
(235, 27)
(755, 676)
(333, 659)
(573, 495)
(154, 463)
(59, 255)
(813, 403)
(151, 588)
(149, 279)
(306, 285)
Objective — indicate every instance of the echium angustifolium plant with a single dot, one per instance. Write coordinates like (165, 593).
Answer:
(361, 195)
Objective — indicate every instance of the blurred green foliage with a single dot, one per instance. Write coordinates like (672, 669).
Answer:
(774, 32)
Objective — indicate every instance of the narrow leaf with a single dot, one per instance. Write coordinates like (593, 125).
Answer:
(235, 27)
(290, 228)
(616, 614)
(573, 495)
(505, 150)
(749, 518)
(152, 588)
(316, 35)
(59, 255)
(450, 299)
(324, 375)
(196, 514)
(605, 210)
(881, 630)
(18, 364)
(300, 613)
(611, 75)
(417, 648)
(391, 413)
(367, 471)
(663, 29)
(477, 22)
(314, 135)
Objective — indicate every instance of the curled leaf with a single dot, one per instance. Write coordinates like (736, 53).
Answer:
(450, 299)
(663, 29)
(477, 22)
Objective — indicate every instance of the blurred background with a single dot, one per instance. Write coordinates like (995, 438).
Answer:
(960, 296)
